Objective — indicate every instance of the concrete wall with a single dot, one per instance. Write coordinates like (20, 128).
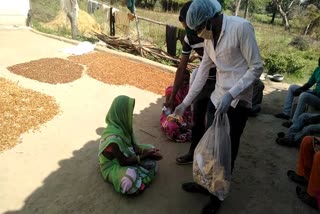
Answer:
(14, 12)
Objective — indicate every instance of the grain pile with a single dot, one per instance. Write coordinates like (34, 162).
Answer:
(49, 70)
(86, 23)
(120, 71)
(21, 110)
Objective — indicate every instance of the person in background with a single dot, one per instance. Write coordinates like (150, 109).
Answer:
(257, 97)
(308, 172)
(306, 124)
(129, 166)
(306, 97)
(178, 130)
(230, 44)
(200, 103)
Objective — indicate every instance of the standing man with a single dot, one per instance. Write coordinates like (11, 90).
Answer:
(200, 103)
(231, 45)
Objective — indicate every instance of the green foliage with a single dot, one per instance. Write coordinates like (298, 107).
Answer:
(44, 10)
(300, 43)
(61, 31)
(265, 18)
(283, 64)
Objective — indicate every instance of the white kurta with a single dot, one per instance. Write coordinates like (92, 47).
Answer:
(238, 63)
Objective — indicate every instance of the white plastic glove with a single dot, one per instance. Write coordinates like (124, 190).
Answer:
(224, 104)
(180, 109)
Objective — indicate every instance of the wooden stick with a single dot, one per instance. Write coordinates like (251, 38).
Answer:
(147, 133)
(138, 34)
(163, 56)
(150, 20)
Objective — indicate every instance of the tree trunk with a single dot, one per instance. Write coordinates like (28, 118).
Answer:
(284, 13)
(72, 15)
(307, 29)
(284, 17)
(29, 16)
(246, 12)
(237, 8)
(273, 16)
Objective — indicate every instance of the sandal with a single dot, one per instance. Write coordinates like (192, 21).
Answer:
(297, 178)
(185, 159)
(194, 188)
(306, 198)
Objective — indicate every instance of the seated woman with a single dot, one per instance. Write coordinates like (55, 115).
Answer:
(178, 130)
(308, 173)
(129, 166)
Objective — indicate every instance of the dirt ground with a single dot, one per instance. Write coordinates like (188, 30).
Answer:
(55, 170)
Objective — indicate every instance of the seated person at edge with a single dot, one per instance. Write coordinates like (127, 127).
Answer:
(177, 129)
(306, 97)
(308, 172)
(127, 165)
(306, 124)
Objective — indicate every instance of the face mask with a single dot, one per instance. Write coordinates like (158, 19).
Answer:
(206, 34)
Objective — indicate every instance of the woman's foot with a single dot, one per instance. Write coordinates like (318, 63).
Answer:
(194, 188)
(306, 198)
(297, 178)
(212, 206)
(185, 159)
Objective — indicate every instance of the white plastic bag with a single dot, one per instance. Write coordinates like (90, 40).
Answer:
(212, 158)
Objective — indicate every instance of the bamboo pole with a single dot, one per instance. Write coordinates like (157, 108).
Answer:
(152, 21)
(138, 34)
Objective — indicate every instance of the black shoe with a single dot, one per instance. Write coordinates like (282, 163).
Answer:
(292, 175)
(306, 198)
(282, 116)
(194, 187)
(212, 206)
(281, 134)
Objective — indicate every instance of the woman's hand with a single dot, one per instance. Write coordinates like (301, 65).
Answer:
(150, 152)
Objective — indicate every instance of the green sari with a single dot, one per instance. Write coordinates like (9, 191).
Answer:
(119, 131)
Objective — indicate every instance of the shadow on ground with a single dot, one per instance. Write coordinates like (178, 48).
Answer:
(259, 185)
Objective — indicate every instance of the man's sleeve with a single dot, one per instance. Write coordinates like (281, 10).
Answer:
(186, 48)
(312, 79)
(250, 52)
(200, 80)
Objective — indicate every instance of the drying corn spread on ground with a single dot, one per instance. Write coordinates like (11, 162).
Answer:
(20, 110)
(117, 70)
(49, 70)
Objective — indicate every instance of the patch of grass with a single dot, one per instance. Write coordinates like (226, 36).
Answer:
(44, 10)
(265, 19)
(61, 31)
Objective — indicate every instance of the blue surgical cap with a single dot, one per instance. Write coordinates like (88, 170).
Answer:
(200, 11)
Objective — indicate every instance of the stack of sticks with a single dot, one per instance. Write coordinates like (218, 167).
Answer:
(146, 50)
